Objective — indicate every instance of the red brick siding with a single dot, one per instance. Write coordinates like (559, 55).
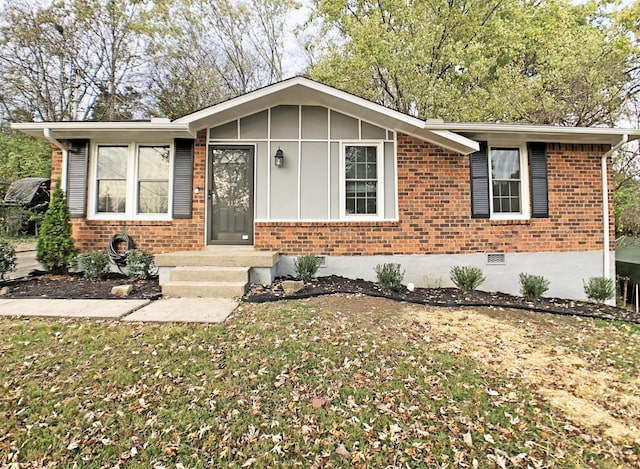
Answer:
(155, 236)
(435, 212)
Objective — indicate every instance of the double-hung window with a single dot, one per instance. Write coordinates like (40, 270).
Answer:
(362, 180)
(506, 181)
(153, 179)
(111, 180)
(132, 181)
(509, 182)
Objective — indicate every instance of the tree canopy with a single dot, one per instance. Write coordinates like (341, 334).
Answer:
(536, 61)
(540, 61)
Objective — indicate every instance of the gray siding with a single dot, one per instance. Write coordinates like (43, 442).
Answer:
(314, 178)
(284, 122)
(308, 186)
(370, 131)
(335, 181)
(228, 131)
(255, 126)
(284, 182)
(343, 127)
(263, 160)
(315, 122)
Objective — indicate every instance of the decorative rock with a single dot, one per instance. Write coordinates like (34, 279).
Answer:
(122, 290)
(292, 286)
(5, 291)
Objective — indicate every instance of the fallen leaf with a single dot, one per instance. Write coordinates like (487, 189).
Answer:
(318, 402)
(342, 451)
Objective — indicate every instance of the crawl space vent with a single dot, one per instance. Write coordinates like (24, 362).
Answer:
(496, 258)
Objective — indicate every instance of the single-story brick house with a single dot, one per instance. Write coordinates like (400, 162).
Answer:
(301, 168)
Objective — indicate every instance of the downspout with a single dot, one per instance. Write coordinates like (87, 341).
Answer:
(605, 207)
(65, 156)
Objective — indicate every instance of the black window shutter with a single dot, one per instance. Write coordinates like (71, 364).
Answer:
(182, 178)
(539, 183)
(77, 165)
(480, 182)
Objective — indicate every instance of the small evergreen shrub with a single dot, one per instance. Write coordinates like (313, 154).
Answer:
(7, 258)
(599, 289)
(389, 276)
(306, 267)
(533, 286)
(55, 247)
(140, 263)
(93, 263)
(466, 278)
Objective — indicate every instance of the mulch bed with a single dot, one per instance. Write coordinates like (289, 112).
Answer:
(75, 286)
(448, 297)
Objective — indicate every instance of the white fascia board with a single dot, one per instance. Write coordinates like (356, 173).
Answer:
(66, 130)
(548, 132)
(341, 101)
(347, 98)
(457, 142)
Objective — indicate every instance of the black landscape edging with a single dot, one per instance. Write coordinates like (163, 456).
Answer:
(624, 315)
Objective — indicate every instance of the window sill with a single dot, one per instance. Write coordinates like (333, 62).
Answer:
(508, 222)
(122, 217)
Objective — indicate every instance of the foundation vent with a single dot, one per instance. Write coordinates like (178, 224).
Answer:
(496, 258)
(322, 261)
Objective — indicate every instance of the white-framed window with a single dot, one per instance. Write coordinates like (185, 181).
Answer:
(153, 179)
(362, 184)
(509, 182)
(130, 181)
(111, 178)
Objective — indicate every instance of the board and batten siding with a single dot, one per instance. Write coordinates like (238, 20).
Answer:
(307, 187)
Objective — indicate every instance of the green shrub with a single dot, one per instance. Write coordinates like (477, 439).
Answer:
(93, 263)
(55, 247)
(599, 289)
(140, 263)
(389, 276)
(466, 278)
(7, 257)
(533, 286)
(306, 267)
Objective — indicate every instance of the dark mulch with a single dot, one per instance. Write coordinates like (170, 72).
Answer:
(450, 297)
(76, 286)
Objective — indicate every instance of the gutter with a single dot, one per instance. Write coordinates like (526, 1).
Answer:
(47, 134)
(605, 207)
(65, 156)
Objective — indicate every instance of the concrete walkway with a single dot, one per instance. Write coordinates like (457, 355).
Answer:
(205, 310)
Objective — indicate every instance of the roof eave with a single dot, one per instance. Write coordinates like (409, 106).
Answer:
(542, 133)
(120, 130)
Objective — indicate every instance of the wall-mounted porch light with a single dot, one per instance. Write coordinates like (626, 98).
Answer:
(279, 158)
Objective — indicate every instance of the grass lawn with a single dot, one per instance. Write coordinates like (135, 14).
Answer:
(327, 382)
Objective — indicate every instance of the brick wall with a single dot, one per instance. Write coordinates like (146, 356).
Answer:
(155, 236)
(435, 212)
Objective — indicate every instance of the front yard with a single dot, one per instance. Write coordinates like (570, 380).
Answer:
(335, 381)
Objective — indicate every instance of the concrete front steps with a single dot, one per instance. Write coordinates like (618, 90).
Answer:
(214, 272)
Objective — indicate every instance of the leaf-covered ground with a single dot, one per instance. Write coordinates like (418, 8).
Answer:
(336, 381)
